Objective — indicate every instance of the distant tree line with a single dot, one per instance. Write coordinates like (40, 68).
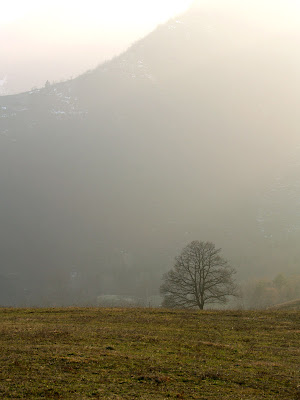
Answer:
(264, 293)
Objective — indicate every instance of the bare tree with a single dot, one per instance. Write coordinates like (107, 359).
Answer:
(200, 276)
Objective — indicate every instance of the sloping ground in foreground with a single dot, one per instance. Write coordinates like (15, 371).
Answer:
(289, 305)
(148, 354)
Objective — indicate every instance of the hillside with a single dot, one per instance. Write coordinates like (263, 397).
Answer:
(190, 134)
(289, 305)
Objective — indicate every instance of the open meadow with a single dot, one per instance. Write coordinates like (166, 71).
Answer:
(94, 353)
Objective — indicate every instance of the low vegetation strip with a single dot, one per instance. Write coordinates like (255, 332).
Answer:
(149, 354)
(289, 305)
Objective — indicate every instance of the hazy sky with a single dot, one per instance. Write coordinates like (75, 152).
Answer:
(55, 40)
(112, 12)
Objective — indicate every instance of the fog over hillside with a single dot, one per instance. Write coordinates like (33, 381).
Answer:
(192, 133)
(56, 40)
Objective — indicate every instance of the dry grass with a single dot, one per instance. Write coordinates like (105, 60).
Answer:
(289, 305)
(148, 354)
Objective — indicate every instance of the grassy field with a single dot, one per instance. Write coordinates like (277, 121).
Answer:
(148, 354)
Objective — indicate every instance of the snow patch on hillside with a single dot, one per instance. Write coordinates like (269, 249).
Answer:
(5, 134)
(279, 215)
(64, 104)
(136, 69)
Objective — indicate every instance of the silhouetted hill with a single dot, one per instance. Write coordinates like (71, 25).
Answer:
(185, 136)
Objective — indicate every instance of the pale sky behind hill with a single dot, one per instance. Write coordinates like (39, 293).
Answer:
(92, 11)
(55, 40)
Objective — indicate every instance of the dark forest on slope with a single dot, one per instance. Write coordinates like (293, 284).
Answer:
(192, 133)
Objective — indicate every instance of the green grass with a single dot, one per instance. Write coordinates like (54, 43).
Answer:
(148, 354)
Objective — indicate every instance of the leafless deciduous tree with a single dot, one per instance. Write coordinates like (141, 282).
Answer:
(200, 276)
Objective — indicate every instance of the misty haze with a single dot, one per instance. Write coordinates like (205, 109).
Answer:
(189, 133)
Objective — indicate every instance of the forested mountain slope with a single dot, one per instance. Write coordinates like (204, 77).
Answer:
(192, 133)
